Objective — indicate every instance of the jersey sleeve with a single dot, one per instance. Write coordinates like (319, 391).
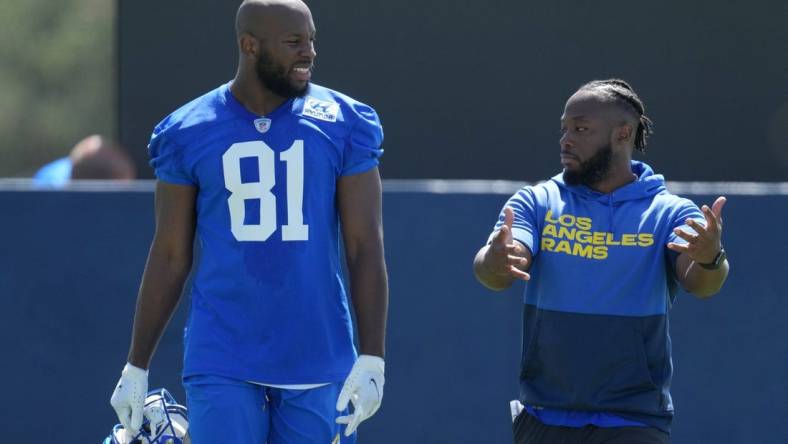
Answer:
(686, 210)
(167, 160)
(362, 149)
(524, 226)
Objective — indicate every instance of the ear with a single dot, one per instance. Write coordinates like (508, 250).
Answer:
(624, 133)
(248, 45)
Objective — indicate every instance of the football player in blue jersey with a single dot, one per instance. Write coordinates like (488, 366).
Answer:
(603, 246)
(265, 171)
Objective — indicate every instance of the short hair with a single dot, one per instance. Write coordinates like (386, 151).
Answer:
(96, 157)
(622, 93)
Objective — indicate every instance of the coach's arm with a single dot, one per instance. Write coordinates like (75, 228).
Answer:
(702, 247)
(504, 259)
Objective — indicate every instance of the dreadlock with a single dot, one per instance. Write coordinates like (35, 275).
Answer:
(621, 92)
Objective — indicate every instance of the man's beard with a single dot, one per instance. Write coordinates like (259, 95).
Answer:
(593, 170)
(274, 77)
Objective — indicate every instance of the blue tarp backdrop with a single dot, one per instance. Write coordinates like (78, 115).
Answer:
(71, 262)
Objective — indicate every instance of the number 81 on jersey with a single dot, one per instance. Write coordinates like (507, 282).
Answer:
(294, 230)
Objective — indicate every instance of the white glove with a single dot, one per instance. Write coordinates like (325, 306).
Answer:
(515, 407)
(364, 388)
(128, 399)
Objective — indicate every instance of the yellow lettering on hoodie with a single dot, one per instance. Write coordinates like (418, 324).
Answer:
(566, 233)
(566, 220)
(549, 230)
(628, 240)
(563, 247)
(583, 236)
(584, 223)
(548, 244)
(600, 252)
(645, 239)
(580, 250)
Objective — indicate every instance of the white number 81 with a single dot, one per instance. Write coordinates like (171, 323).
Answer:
(294, 230)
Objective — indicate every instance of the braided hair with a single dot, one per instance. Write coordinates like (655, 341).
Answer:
(622, 93)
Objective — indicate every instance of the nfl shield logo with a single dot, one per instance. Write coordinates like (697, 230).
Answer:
(262, 124)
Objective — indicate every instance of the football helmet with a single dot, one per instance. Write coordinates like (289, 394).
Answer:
(165, 422)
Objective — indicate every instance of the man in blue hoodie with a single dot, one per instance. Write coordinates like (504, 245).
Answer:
(603, 246)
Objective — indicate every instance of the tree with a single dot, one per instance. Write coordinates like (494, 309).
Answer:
(57, 79)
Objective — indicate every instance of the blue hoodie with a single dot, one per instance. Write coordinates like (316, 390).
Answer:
(595, 320)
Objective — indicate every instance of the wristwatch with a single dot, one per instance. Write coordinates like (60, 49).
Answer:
(718, 260)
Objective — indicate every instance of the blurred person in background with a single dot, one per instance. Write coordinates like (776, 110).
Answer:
(94, 157)
(266, 170)
(603, 246)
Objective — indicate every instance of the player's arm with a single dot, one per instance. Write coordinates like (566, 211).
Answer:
(168, 265)
(702, 247)
(359, 202)
(169, 262)
(504, 259)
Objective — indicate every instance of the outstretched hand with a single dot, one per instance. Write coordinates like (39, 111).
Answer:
(703, 246)
(504, 257)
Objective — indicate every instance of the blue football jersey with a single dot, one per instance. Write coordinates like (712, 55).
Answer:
(268, 298)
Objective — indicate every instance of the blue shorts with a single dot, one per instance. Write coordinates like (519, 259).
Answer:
(229, 410)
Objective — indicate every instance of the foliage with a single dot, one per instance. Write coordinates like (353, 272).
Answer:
(57, 79)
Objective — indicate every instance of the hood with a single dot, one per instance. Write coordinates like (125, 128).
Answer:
(647, 184)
